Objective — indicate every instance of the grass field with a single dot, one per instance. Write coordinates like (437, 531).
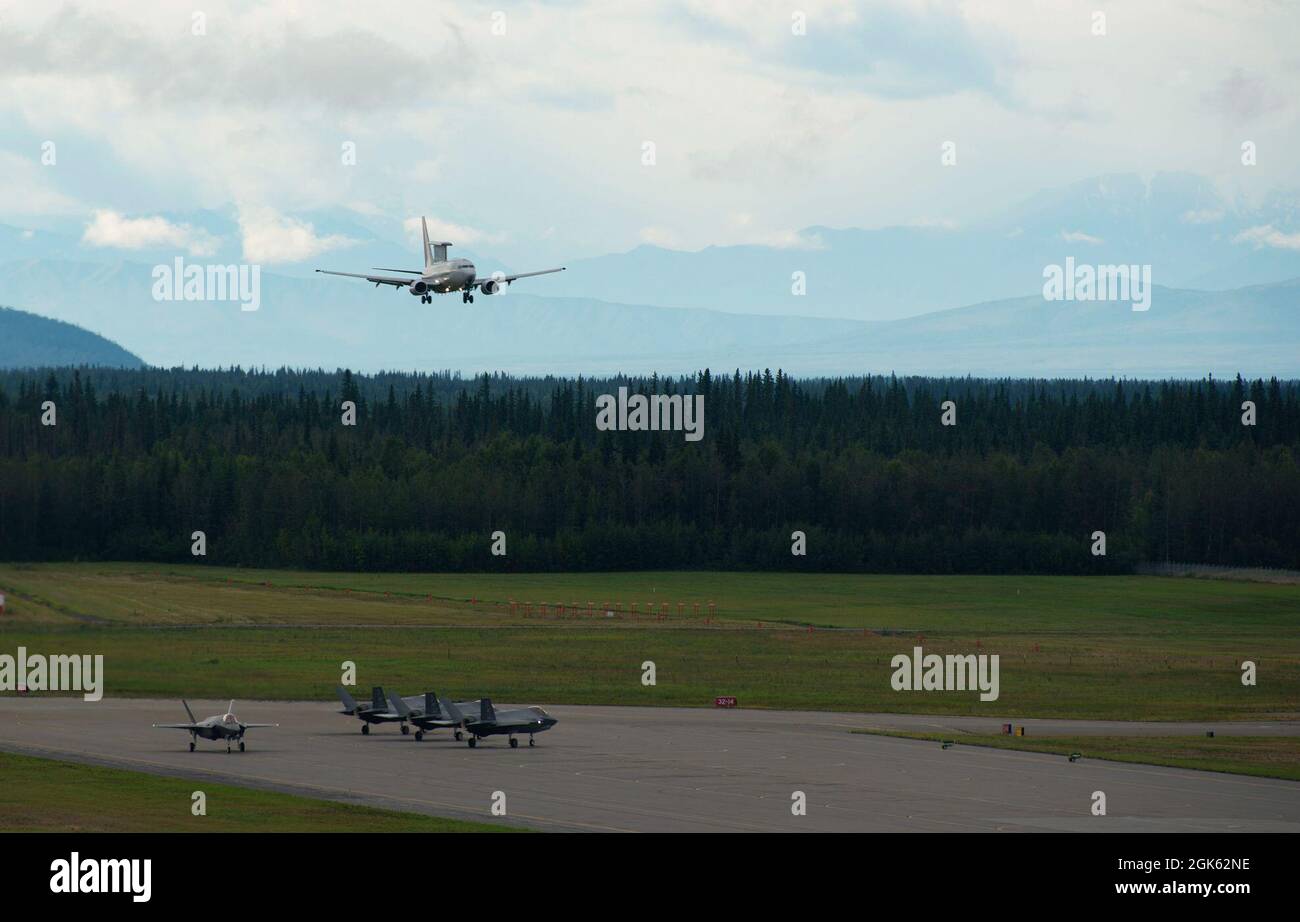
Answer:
(1263, 756)
(46, 795)
(1100, 647)
(956, 605)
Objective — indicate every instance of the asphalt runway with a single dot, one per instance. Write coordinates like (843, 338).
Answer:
(669, 769)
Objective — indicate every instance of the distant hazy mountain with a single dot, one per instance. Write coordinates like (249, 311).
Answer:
(1253, 331)
(321, 322)
(1176, 223)
(1192, 236)
(28, 341)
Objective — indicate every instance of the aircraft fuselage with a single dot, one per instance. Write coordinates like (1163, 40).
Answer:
(445, 276)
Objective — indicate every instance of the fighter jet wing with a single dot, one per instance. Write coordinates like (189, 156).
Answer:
(178, 726)
(510, 278)
(377, 279)
(246, 726)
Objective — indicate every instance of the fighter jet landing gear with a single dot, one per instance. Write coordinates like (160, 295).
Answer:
(473, 741)
(466, 298)
(514, 743)
(405, 730)
(227, 748)
(365, 729)
(191, 745)
(459, 736)
(419, 735)
(531, 742)
(241, 745)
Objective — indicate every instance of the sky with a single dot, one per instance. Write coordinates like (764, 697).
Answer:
(523, 129)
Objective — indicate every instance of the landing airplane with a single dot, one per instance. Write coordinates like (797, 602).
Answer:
(441, 275)
(217, 727)
(376, 712)
(491, 722)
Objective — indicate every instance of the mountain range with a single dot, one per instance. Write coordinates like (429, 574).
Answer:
(29, 341)
(921, 299)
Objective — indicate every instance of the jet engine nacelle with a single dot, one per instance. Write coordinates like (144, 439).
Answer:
(490, 287)
(418, 287)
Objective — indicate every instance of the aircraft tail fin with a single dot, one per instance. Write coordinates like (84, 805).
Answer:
(188, 711)
(451, 710)
(435, 251)
(377, 698)
(488, 712)
(431, 705)
(399, 705)
(349, 702)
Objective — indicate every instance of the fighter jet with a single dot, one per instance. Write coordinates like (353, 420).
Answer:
(441, 275)
(491, 722)
(427, 717)
(218, 727)
(376, 712)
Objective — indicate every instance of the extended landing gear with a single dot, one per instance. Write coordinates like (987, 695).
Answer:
(405, 730)
(473, 741)
(466, 298)
(191, 745)
(514, 743)
(227, 749)
(419, 735)
(365, 729)
(459, 736)
(426, 299)
(241, 745)
(531, 742)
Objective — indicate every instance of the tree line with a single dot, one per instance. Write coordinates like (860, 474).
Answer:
(262, 463)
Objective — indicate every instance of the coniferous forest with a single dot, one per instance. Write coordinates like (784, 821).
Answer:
(138, 460)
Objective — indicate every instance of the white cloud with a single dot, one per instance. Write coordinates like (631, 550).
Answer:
(786, 240)
(660, 237)
(446, 230)
(270, 237)
(111, 229)
(746, 116)
(1079, 237)
(30, 189)
(1266, 235)
(934, 223)
(1203, 216)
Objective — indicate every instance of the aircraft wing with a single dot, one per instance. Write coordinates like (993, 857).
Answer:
(178, 726)
(377, 279)
(510, 278)
(247, 726)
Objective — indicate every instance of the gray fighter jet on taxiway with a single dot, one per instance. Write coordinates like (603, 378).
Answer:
(429, 716)
(491, 722)
(218, 727)
(376, 712)
(441, 275)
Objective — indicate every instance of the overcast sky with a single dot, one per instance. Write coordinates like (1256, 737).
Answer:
(521, 128)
